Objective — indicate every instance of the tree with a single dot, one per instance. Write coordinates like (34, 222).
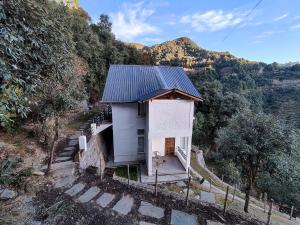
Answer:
(251, 141)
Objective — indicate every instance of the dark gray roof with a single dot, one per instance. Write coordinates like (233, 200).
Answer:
(133, 83)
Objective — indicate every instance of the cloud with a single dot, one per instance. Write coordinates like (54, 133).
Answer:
(281, 17)
(296, 26)
(212, 20)
(267, 34)
(130, 22)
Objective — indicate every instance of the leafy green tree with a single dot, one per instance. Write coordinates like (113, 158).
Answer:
(36, 46)
(251, 141)
(282, 182)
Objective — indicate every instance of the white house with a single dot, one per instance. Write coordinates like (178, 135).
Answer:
(152, 115)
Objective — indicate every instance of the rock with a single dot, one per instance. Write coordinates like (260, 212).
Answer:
(75, 189)
(105, 199)
(38, 173)
(181, 184)
(8, 194)
(210, 222)
(64, 182)
(89, 194)
(35, 223)
(207, 197)
(146, 223)
(191, 192)
(180, 218)
(147, 209)
(124, 205)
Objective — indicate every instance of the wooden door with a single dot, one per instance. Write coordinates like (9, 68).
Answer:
(169, 146)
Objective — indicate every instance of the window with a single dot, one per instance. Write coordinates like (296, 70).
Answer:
(140, 132)
(183, 142)
(141, 144)
(141, 140)
(141, 109)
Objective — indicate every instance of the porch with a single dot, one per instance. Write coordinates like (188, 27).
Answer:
(169, 168)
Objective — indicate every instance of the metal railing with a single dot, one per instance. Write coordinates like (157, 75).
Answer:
(104, 116)
(181, 152)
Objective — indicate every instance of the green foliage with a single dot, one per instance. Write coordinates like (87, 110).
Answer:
(255, 143)
(37, 51)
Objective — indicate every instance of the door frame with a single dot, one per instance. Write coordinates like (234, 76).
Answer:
(172, 141)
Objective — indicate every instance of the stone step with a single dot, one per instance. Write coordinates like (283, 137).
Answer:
(64, 182)
(210, 222)
(124, 205)
(207, 197)
(146, 223)
(75, 189)
(66, 154)
(73, 142)
(147, 209)
(59, 165)
(63, 158)
(70, 148)
(74, 136)
(105, 199)
(63, 172)
(180, 218)
(89, 194)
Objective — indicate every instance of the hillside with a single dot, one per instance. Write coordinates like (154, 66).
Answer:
(279, 84)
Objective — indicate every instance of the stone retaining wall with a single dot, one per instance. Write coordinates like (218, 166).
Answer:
(95, 155)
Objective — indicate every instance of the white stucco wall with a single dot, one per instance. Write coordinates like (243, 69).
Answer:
(125, 124)
(169, 118)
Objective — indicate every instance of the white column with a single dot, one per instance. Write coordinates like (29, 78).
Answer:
(93, 128)
(149, 163)
(82, 142)
(188, 153)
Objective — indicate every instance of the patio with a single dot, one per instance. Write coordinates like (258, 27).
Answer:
(169, 169)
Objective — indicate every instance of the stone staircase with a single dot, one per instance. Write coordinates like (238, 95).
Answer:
(123, 203)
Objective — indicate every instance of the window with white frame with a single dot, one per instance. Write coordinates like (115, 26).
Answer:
(141, 140)
(183, 142)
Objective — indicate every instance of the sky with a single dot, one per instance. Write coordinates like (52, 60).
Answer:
(269, 33)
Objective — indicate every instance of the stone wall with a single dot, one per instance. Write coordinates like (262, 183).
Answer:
(95, 155)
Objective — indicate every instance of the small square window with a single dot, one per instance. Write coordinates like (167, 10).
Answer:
(140, 131)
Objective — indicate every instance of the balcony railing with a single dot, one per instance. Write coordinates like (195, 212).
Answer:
(182, 152)
(103, 117)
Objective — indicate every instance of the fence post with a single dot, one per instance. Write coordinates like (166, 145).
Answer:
(234, 192)
(156, 182)
(188, 191)
(222, 177)
(292, 211)
(225, 202)
(128, 175)
(265, 201)
(270, 212)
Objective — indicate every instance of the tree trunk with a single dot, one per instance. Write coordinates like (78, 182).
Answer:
(248, 194)
(53, 144)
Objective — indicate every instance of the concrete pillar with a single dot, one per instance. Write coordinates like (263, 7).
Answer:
(82, 142)
(149, 161)
(188, 153)
(93, 128)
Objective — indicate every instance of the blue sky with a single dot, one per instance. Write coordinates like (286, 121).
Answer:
(271, 33)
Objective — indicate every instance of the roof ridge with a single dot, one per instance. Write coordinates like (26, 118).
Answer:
(160, 78)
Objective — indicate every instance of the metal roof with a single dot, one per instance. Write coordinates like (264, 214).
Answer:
(133, 83)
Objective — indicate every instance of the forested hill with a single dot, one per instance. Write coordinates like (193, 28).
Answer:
(279, 84)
